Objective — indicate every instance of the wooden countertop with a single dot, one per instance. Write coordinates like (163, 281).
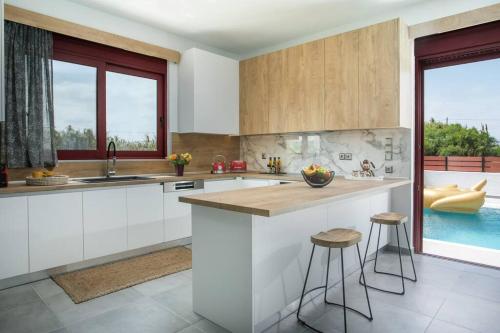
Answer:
(274, 200)
(18, 188)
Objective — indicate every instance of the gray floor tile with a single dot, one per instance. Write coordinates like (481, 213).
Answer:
(420, 297)
(145, 316)
(17, 296)
(438, 326)
(161, 285)
(287, 325)
(470, 312)
(69, 312)
(387, 319)
(190, 329)
(87, 326)
(207, 326)
(30, 317)
(478, 285)
(487, 271)
(179, 301)
(46, 288)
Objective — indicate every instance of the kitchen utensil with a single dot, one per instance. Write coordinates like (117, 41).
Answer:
(238, 166)
(219, 164)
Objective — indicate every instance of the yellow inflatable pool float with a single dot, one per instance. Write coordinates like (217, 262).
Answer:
(451, 198)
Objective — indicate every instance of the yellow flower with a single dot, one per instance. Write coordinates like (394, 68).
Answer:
(172, 157)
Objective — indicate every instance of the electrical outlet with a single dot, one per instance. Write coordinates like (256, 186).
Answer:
(264, 156)
(348, 156)
(389, 169)
(341, 156)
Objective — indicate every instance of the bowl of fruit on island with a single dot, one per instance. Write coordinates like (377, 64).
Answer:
(317, 176)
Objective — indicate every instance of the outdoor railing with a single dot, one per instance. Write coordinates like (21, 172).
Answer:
(462, 163)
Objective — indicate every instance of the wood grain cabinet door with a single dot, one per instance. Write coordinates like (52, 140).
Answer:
(254, 103)
(341, 81)
(379, 71)
(302, 71)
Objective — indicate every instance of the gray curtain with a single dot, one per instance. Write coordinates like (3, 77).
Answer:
(29, 134)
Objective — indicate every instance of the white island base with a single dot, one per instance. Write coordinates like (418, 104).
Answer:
(248, 270)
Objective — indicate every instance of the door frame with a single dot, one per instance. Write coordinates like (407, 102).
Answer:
(477, 43)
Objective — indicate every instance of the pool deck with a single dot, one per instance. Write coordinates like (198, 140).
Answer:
(469, 253)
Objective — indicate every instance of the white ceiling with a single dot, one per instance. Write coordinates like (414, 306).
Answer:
(242, 26)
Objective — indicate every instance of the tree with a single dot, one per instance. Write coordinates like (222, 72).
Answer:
(442, 139)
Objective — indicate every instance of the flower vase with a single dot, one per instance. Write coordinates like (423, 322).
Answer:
(179, 170)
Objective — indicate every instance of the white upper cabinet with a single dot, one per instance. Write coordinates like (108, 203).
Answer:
(208, 93)
(13, 237)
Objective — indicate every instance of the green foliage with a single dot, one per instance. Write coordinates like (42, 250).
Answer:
(73, 139)
(442, 139)
(70, 138)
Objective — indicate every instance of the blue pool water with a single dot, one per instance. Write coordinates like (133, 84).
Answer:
(480, 229)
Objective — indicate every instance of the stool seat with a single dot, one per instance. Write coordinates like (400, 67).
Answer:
(389, 218)
(337, 238)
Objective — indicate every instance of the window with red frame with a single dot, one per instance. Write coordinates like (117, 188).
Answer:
(104, 94)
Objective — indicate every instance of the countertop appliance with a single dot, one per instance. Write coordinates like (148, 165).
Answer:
(238, 166)
(219, 164)
(183, 186)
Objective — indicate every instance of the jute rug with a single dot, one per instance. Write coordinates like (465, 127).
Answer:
(86, 284)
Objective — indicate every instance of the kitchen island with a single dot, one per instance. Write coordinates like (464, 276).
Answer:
(251, 247)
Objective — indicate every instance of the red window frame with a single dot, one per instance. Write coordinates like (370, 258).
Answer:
(477, 43)
(105, 58)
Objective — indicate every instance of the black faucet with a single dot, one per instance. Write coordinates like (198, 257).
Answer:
(111, 172)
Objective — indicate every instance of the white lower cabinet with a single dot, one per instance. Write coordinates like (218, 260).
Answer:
(104, 222)
(14, 259)
(177, 215)
(249, 183)
(55, 230)
(222, 185)
(145, 215)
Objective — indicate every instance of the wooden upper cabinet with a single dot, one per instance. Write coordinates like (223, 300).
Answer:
(356, 80)
(296, 82)
(276, 62)
(254, 92)
(379, 69)
(341, 81)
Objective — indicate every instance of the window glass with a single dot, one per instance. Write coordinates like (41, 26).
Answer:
(75, 106)
(131, 112)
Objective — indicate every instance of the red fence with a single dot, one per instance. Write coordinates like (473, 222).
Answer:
(462, 163)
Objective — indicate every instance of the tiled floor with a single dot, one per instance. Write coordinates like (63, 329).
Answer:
(449, 297)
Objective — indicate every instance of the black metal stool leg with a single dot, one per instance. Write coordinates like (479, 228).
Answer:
(400, 262)
(366, 289)
(305, 283)
(343, 289)
(411, 256)
(366, 252)
(327, 272)
(376, 251)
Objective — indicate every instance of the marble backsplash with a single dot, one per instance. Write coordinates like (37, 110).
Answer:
(299, 150)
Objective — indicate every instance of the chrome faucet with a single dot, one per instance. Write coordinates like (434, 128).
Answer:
(111, 172)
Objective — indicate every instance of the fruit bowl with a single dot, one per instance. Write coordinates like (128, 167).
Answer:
(317, 176)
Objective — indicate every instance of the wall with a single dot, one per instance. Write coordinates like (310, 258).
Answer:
(299, 150)
(415, 14)
(76, 13)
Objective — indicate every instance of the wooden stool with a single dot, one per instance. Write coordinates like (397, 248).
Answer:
(389, 219)
(335, 238)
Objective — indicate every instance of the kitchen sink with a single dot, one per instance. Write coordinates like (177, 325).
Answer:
(113, 179)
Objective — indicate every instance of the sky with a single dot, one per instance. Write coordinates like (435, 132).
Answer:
(467, 94)
(130, 101)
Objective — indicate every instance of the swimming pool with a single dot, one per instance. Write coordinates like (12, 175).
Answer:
(480, 229)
